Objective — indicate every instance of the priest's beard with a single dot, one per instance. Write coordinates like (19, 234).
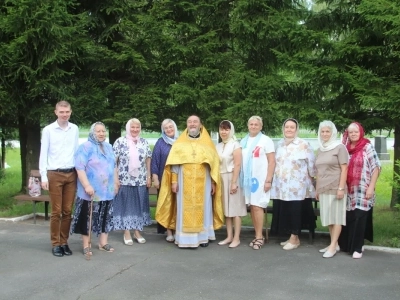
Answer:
(194, 133)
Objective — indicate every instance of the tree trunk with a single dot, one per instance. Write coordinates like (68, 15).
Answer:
(3, 153)
(114, 132)
(29, 137)
(396, 167)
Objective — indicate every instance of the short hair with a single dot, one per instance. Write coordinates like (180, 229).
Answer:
(135, 121)
(195, 116)
(225, 124)
(293, 120)
(257, 118)
(63, 103)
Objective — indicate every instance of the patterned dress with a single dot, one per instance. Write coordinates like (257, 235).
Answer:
(131, 204)
(99, 169)
(292, 188)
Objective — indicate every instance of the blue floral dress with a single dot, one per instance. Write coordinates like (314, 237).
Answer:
(131, 204)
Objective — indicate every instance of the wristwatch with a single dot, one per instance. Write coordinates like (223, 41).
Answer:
(340, 189)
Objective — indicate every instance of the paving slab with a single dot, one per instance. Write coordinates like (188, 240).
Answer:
(159, 270)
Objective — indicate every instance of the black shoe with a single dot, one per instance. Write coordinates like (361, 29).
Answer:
(66, 250)
(204, 245)
(57, 251)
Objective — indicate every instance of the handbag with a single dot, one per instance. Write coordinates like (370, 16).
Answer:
(35, 189)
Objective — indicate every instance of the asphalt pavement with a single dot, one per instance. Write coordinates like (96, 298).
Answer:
(159, 270)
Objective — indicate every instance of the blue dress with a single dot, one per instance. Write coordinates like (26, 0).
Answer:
(158, 160)
(131, 204)
(99, 169)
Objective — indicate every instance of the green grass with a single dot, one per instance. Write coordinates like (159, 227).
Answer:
(386, 221)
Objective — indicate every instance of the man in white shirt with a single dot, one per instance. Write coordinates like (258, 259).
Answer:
(59, 143)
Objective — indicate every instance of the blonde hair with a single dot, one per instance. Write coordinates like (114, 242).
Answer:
(136, 121)
(63, 103)
(257, 118)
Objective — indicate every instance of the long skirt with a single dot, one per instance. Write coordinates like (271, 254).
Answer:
(290, 217)
(131, 208)
(359, 227)
(332, 209)
(234, 204)
(102, 221)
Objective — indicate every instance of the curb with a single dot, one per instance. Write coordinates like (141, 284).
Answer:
(21, 218)
(367, 247)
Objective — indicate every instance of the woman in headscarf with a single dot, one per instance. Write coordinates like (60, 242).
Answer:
(131, 205)
(97, 174)
(292, 186)
(331, 163)
(169, 134)
(258, 165)
(363, 172)
(230, 157)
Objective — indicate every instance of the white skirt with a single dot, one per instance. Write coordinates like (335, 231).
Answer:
(332, 209)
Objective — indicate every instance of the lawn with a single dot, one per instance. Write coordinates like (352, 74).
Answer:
(386, 221)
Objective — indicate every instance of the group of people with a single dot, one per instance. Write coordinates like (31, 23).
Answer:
(200, 185)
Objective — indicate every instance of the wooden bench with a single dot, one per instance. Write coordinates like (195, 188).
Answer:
(42, 198)
(268, 210)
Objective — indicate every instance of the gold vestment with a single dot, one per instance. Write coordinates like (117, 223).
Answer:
(195, 156)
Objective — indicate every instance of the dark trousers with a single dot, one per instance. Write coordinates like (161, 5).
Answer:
(358, 227)
(62, 189)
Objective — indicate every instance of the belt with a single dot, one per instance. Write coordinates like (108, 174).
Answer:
(64, 170)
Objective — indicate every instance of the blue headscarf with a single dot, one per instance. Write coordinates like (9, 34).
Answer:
(92, 138)
(166, 138)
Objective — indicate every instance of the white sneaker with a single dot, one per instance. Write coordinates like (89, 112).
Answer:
(357, 255)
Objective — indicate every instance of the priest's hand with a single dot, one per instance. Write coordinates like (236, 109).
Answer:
(174, 187)
(213, 188)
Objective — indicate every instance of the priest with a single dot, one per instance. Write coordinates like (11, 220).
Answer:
(190, 194)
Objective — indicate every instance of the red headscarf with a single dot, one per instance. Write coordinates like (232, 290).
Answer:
(356, 162)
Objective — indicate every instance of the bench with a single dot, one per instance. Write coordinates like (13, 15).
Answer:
(42, 198)
(268, 210)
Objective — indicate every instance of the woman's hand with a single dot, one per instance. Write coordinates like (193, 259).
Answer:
(370, 193)
(340, 194)
(156, 183)
(148, 183)
(116, 187)
(267, 186)
(234, 188)
(89, 190)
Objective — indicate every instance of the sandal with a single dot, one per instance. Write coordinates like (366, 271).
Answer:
(258, 243)
(87, 252)
(252, 242)
(106, 248)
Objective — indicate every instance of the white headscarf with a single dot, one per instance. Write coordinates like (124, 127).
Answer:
(165, 137)
(333, 141)
(231, 136)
